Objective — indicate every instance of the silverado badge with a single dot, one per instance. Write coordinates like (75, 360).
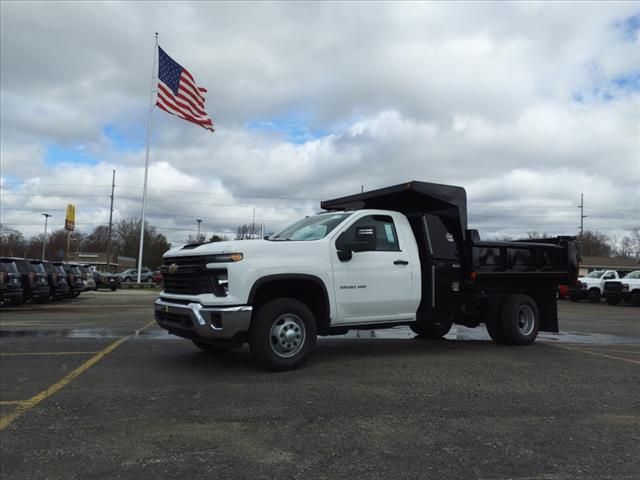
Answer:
(173, 268)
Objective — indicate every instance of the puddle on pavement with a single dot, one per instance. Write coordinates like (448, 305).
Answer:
(457, 333)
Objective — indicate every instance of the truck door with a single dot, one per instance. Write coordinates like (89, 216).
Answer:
(374, 286)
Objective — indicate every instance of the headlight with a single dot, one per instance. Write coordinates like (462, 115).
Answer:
(227, 257)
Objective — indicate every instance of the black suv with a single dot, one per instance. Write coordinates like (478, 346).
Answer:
(57, 277)
(10, 284)
(35, 286)
(74, 279)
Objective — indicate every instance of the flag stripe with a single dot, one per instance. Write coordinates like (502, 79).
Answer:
(208, 124)
(180, 101)
(174, 104)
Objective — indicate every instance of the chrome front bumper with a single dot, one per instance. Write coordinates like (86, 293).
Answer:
(195, 320)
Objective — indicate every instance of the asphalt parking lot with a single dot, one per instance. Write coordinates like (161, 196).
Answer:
(91, 388)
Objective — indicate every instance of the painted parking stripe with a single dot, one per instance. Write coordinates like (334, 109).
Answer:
(24, 354)
(597, 354)
(27, 405)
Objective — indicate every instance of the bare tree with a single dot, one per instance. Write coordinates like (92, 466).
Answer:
(594, 244)
(248, 231)
(12, 242)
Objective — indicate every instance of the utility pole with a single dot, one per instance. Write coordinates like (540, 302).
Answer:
(582, 217)
(44, 239)
(199, 220)
(113, 186)
(253, 224)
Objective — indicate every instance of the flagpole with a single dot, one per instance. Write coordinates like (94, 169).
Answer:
(146, 162)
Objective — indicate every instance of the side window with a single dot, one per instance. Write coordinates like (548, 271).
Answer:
(609, 276)
(387, 237)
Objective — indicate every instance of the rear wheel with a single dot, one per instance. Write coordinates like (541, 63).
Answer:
(520, 320)
(594, 296)
(492, 320)
(432, 329)
(283, 334)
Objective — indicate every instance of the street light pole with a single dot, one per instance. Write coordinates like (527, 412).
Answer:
(199, 220)
(44, 240)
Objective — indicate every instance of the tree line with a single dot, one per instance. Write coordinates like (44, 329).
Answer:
(125, 240)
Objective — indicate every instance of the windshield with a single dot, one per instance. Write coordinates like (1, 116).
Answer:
(38, 267)
(311, 228)
(595, 274)
(8, 267)
(634, 274)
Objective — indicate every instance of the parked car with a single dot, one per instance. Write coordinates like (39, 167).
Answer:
(74, 279)
(157, 276)
(131, 275)
(106, 280)
(57, 278)
(87, 278)
(10, 284)
(35, 286)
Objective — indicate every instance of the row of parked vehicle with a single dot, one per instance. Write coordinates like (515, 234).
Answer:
(607, 284)
(24, 280)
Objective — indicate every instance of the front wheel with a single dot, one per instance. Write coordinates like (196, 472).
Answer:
(594, 296)
(127, 279)
(634, 299)
(283, 334)
(520, 320)
(432, 329)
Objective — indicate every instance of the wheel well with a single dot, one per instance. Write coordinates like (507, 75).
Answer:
(308, 290)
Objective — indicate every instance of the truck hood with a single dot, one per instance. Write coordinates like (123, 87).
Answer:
(260, 247)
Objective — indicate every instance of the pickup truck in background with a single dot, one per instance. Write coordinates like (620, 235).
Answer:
(401, 255)
(626, 289)
(591, 286)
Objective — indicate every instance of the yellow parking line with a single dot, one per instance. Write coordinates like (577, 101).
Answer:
(11, 402)
(597, 354)
(22, 354)
(27, 405)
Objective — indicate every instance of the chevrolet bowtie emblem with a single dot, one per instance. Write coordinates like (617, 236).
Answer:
(173, 268)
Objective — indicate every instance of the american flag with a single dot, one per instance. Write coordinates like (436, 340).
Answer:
(178, 93)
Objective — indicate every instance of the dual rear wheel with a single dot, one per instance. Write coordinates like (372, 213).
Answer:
(513, 320)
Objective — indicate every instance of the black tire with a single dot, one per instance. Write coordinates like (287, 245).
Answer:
(613, 300)
(127, 279)
(149, 280)
(297, 334)
(113, 289)
(519, 320)
(634, 299)
(594, 295)
(433, 329)
(492, 320)
(206, 347)
(574, 298)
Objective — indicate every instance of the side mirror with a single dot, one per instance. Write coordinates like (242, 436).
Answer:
(365, 240)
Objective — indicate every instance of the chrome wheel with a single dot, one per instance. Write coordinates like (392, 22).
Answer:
(287, 335)
(525, 320)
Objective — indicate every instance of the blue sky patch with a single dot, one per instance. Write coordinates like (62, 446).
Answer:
(295, 128)
(629, 27)
(131, 139)
(56, 154)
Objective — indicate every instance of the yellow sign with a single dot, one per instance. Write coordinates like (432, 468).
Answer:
(70, 219)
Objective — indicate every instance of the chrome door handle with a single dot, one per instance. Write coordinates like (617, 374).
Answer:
(401, 262)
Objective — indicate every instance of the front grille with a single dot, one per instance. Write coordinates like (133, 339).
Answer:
(613, 287)
(192, 277)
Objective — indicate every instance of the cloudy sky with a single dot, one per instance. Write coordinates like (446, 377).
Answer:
(527, 105)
